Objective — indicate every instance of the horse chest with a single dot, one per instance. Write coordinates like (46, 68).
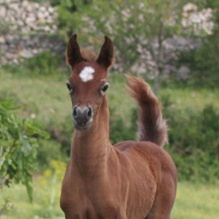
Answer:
(82, 206)
(87, 200)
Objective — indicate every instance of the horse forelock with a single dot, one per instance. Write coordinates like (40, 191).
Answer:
(88, 55)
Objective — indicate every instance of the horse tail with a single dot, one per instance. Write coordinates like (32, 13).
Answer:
(151, 125)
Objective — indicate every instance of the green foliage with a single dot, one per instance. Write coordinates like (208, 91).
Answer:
(18, 147)
(70, 18)
(49, 149)
(137, 28)
(134, 25)
(194, 141)
(62, 134)
(203, 63)
(42, 64)
(4, 28)
(119, 129)
(46, 192)
(6, 207)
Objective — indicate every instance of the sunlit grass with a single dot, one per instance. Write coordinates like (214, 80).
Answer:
(43, 99)
(47, 98)
(40, 208)
(193, 201)
(194, 98)
(196, 202)
(46, 195)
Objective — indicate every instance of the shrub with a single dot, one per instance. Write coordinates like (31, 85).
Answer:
(49, 150)
(194, 141)
(62, 134)
(203, 63)
(18, 147)
(120, 130)
(203, 60)
(44, 63)
(71, 16)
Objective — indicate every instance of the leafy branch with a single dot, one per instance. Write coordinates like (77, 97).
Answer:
(18, 147)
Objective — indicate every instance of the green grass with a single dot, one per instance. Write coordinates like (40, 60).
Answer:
(46, 194)
(196, 202)
(189, 97)
(47, 98)
(42, 207)
(192, 202)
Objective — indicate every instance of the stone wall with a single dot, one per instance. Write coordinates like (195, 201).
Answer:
(26, 29)
(172, 47)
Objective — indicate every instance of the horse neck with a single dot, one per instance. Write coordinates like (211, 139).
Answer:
(90, 149)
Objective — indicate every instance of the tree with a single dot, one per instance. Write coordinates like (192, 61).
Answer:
(139, 30)
(203, 60)
(70, 19)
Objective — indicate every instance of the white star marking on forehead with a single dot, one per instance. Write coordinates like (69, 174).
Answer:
(86, 74)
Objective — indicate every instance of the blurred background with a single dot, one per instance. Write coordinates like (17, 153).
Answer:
(173, 44)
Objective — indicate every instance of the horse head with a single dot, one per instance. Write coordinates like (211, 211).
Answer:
(88, 82)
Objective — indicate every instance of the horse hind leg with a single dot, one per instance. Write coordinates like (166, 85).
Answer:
(160, 211)
(164, 201)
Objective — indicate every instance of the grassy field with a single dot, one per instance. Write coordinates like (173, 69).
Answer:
(193, 201)
(46, 99)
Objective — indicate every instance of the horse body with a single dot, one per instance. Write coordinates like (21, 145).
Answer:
(126, 188)
(131, 180)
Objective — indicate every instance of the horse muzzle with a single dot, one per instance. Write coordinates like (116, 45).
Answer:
(82, 116)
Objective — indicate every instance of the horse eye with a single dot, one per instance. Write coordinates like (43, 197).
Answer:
(104, 88)
(69, 86)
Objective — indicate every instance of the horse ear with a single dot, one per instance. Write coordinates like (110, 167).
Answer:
(73, 52)
(105, 57)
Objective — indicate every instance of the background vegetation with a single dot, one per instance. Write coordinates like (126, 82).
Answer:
(35, 109)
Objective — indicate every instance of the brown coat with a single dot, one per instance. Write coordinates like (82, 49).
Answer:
(130, 180)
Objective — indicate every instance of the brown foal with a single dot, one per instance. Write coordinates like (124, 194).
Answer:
(130, 180)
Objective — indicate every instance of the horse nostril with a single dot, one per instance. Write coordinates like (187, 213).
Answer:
(89, 113)
(75, 112)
